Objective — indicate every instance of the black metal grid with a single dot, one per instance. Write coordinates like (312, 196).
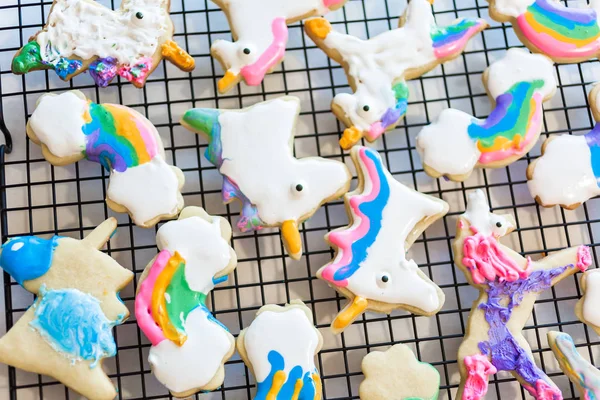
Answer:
(273, 278)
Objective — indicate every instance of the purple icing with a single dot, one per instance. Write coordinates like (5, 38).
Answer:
(503, 102)
(104, 154)
(103, 70)
(390, 117)
(593, 137)
(581, 15)
(502, 347)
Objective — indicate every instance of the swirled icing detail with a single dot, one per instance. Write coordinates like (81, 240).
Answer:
(479, 368)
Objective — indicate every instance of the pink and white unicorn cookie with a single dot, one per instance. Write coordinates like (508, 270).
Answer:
(252, 149)
(370, 267)
(260, 34)
(189, 346)
(377, 68)
(565, 34)
(69, 127)
(68, 331)
(509, 285)
(457, 142)
(84, 35)
(568, 171)
(279, 348)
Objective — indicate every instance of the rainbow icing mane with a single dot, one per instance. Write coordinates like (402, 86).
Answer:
(560, 31)
(118, 137)
(512, 125)
(453, 38)
(353, 243)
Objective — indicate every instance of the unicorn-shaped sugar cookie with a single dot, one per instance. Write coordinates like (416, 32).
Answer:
(457, 142)
(565, 34)
(70, 127)
(279, 348)
(189, 346)
(84, 35)
(568, 172)
(252, 148)
(260, 33)
(587, 309)
(377, 68)
(509, 284)
(370, 267)
(67, 332)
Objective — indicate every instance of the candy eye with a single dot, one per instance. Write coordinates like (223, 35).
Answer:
(139, 15)
(499, 224)
(247, 51)
(383, 280)
(366, 108)
(298, 188)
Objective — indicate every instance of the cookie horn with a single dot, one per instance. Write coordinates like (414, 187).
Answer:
(103, 232)
(175, 54)
(349, 314)
(350, 137)
(291, 239)
(226, 82)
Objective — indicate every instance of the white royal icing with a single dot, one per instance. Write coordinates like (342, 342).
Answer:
(57, 122)
(591, 310)
(200, 243)
(257, 156)
(194, 364)
(87, 29)
(252, 20)
(479, 216)
(564, 175)
(290, 333)
(512, 8)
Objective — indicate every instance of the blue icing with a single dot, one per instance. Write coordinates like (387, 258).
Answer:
(277, 362)
(220, 279)
(211, 317)
(27, 257)
(73, 322)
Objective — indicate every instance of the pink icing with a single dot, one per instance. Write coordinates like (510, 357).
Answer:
(453, 47)
(254, 73)
(534, 129)
(584, 258)
(375, 130)
(144, 298)
(343, 239)
(146, 130)
(485, 260)
(544, 391)
(478, 369)
(553, 47)
(141, 68)
(329, 3)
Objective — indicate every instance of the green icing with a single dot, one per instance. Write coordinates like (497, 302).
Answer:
(401, 91)
(28, 58)
(181, 300)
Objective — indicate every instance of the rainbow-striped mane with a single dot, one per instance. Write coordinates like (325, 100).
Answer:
(450, 39)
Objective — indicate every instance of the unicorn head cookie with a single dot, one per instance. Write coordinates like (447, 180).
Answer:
(377, 68)
(252, 148)
(509, 284)
(457, 142)
(70, 127)
(67, 332)
(84, 35)
(370, 266)
(189, 346)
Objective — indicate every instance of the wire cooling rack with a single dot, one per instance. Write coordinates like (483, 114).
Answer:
(36, 198)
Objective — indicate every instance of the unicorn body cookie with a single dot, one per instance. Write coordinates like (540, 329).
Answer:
(252, 148)
(279, 347)
(587, 309)
(457, 142)
(70, 128)
(377, 68)
(260, 33)
(189, 346)
(565, 34)
(552, 180)
(370, 267)
(84, 35)
(509, 284)
(67, 332)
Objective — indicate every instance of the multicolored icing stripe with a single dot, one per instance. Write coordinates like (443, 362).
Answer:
(117, 137)
(512, 125)
(298, 384)
(30, 58)
(391, 115)
(592, 138)
(559, 31)
(451, 39)
(353, 243)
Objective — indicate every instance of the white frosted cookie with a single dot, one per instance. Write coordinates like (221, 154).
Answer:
(189, 346)
(69, 127)
(279, 348)
(377, 68)
(370, 267)
(568, 170)
(508, 285)
(456, 143)
(253, 150)
(84, 35)
(396, 374)
(260, 34)
(68, 331)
